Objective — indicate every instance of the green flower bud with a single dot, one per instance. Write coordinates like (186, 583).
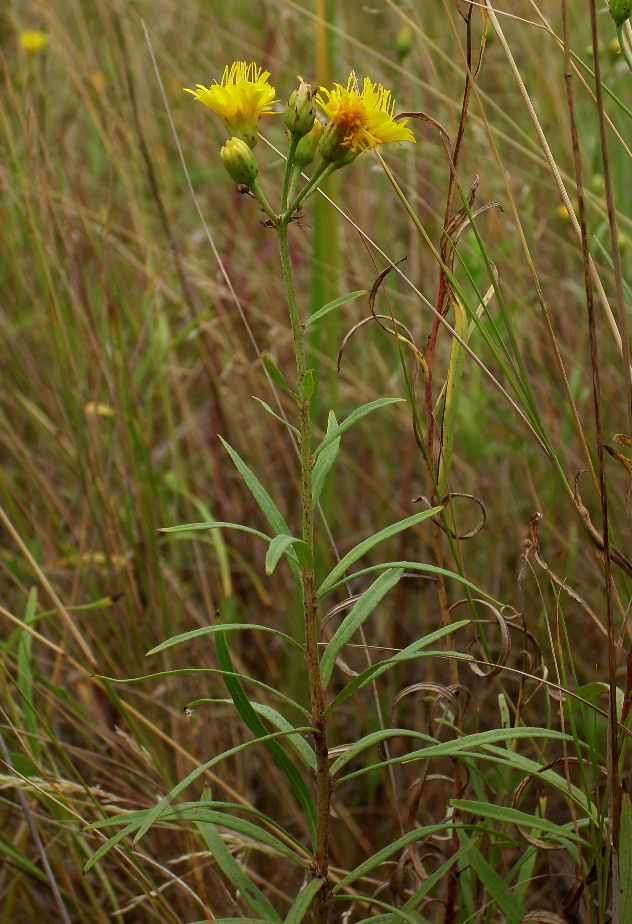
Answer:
(239, 161)
(308, 145)
(620, 10)
(301, 110)
(332, 148)
(404, 41)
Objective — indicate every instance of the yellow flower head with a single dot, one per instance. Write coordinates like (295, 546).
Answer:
(242, 97)
(32, 41)
(360, 121)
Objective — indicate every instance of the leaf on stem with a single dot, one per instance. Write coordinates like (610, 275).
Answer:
(356, 415)
(257, 727)
(325, 460)
(317, 315)
(367, 544)
(283, 544)
(276, 375)
(354, 619)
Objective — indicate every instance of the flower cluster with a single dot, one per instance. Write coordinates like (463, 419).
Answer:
(358, 120)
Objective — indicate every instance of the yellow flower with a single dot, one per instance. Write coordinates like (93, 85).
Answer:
(359, 121)
(32, 41)
(242, 97)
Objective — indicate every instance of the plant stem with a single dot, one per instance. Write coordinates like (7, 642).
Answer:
(320, 863)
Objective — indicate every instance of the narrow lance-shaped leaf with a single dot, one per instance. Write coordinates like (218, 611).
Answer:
(368, 544)
(269, 509)
(415, 650)
(276, 375)
(353, 418)
(337, 303)
(231, 627)
(497, 888)
(276, 416)
(303, 900)
(325, 460)
(234, 872)
(288, 545)
(152, 815)
(257, 727)
(356, 616)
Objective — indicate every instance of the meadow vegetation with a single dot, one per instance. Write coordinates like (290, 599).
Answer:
(481, 769)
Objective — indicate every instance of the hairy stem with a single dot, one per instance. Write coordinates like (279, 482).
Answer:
(320, 864)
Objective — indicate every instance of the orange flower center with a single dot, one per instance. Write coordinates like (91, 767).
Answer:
(350, 120)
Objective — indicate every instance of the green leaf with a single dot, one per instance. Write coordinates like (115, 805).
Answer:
(367, 544)
(465, 745)
(317, 315)
(25, 674)
(213, 524)
(303, 900)
(282, 545)
(199, 812)
(188, 671)
(152, 815)
(497, 889)
(354, 417)
(235, 873)
(300, 745)
(375, 738)
(412, 566)
(532, 767)
(354, 619)
(269, 509)
(276, 375)
(257, 727)
(325, 460)
(223, 627)
(107, 846)
(307, 388)
(382, 855)
(276, 416)
(415, 650)
(507, 815)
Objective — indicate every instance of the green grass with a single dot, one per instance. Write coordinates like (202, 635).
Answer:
(128, 349)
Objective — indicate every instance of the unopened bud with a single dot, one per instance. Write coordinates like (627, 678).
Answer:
(332, 148)
(308, 145)
(301, 110)
(404, 41)
(239, 161)
(620, 10)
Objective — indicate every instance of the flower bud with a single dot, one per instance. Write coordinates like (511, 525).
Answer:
(403, 42)
(620, 10)
(239, 161)
(308, 145)
(332, 148)
(301, 110)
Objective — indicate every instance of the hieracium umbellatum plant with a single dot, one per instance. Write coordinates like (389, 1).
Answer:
(326, 130)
